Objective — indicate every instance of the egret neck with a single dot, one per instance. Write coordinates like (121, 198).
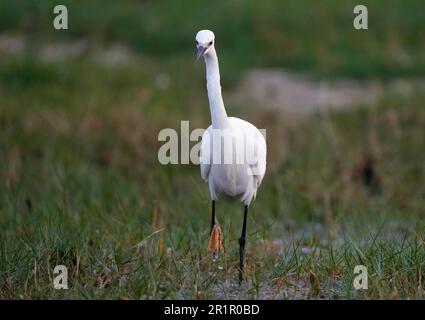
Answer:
(218, 113)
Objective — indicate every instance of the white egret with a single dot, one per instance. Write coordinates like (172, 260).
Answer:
(236, 166)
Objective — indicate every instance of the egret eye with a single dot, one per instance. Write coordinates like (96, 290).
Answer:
(211, 43)
(196, 41)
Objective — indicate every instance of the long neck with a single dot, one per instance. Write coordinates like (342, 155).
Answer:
(218, 112)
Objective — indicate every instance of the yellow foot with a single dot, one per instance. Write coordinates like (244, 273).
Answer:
(215, 244)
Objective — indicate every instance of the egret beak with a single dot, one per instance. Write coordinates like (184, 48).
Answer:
(201, 51)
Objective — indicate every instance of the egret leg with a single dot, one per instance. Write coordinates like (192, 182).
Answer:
(214, 244)
(212, 216)
(242, 241)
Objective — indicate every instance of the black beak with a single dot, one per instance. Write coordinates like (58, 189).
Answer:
(201, 51)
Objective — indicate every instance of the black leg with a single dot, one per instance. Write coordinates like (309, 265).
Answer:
(212, 216)
(242, 241)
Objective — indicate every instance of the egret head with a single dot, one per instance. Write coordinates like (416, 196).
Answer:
(204, 42)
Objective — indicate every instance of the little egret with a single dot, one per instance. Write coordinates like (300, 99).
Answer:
(227, 166)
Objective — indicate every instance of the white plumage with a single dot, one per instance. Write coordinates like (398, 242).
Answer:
(233, 178)
(233, 151)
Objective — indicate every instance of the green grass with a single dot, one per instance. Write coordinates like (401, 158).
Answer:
(81, 186)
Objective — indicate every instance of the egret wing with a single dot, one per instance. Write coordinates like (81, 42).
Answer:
(206, 154)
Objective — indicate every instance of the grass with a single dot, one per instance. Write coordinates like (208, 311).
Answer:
(81, 186)
(80, 183)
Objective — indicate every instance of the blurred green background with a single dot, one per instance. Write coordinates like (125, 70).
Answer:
(80, 183)
(294, 34)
